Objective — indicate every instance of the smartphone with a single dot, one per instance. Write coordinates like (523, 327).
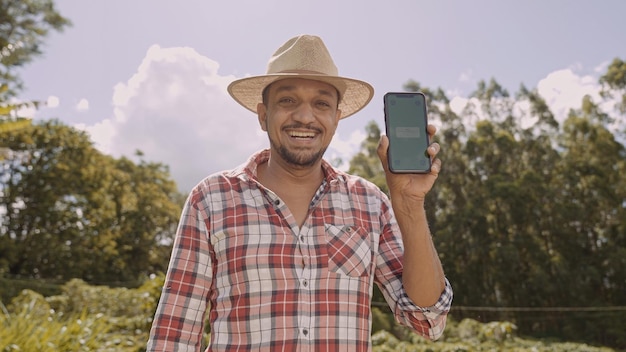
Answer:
(406, 124)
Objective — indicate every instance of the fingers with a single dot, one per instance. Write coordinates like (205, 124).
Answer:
(434, 149)
(432, 129)
(383, 147)
(435, 167)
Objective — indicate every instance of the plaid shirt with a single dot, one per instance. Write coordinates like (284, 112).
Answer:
(272, 285)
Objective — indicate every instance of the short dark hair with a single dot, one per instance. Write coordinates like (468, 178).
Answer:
(265, 93)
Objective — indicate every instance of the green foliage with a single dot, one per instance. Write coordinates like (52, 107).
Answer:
(471, 335)
(7, 125)
(384, 338)
(100, 318)
(132, 304)
(530, 214)
(10, 288)
(366, 163)
(81, 318)
(614, 83)
(9, 121)
(29, 324)
(522, 216)
(72, 212)
(25, 26)
(381, 320)
(541, 213)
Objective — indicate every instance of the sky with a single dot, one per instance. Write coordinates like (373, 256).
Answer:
(151, 75)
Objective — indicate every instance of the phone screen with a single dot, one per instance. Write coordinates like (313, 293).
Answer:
(405, 122)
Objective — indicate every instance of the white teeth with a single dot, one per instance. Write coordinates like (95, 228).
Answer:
(302, 134)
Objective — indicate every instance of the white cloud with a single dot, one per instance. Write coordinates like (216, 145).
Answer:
(521, 109)
(26, 110)
(83, 105)
(176, 110)
(52, 102)
(564, 90)
(466, 76)
(345, 149)
(101, 134)
(30, 110)
(458, 103)
(602, 67)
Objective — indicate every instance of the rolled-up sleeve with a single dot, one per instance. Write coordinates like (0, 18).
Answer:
(426, 321)
(429, 322)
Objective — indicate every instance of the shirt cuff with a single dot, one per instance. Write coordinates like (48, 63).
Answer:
(443, 304)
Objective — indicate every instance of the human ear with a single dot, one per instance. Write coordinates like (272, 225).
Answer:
(261, 111)
(337, 117)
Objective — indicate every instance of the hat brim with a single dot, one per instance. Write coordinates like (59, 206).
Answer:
(356, 94)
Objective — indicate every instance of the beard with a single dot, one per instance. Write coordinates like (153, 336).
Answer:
(299, 159)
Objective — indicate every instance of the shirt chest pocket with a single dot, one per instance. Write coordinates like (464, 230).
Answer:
(349, 250)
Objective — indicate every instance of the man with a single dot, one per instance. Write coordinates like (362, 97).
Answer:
(284, 250)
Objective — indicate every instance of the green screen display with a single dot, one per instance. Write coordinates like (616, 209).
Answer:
(405, 121)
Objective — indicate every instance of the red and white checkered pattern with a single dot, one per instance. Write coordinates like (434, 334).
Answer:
(273, 286)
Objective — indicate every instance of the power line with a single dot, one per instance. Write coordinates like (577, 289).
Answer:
(540, 309)
(57, 283)
(526, 309)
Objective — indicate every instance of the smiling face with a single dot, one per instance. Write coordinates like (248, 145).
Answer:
(300, 117)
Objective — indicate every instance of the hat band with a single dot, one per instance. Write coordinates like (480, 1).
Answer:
(304, 72)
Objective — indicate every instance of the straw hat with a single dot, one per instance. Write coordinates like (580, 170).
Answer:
(307, 57)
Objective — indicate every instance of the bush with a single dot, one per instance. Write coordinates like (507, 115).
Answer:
(103, 319)
(28, 324)
(381, 321)
(81, 318)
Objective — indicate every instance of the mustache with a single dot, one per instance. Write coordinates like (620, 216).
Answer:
(302, 126)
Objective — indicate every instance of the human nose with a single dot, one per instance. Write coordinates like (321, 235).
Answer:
(304, 114)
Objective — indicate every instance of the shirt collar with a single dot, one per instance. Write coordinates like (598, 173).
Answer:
(249, 171)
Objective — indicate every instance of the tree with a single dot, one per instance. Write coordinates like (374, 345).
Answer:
(24, 25)
(531, 214)
(42, 215)
(594, 204)
(147, 206)
(72, 212)
(366, 162)
(614, 82)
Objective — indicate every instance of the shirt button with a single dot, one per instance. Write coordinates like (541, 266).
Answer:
(277, 202)
(305, 332)
(305, 283)
(302, 238)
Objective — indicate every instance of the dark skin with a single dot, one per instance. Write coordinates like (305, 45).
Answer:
(301, 117)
